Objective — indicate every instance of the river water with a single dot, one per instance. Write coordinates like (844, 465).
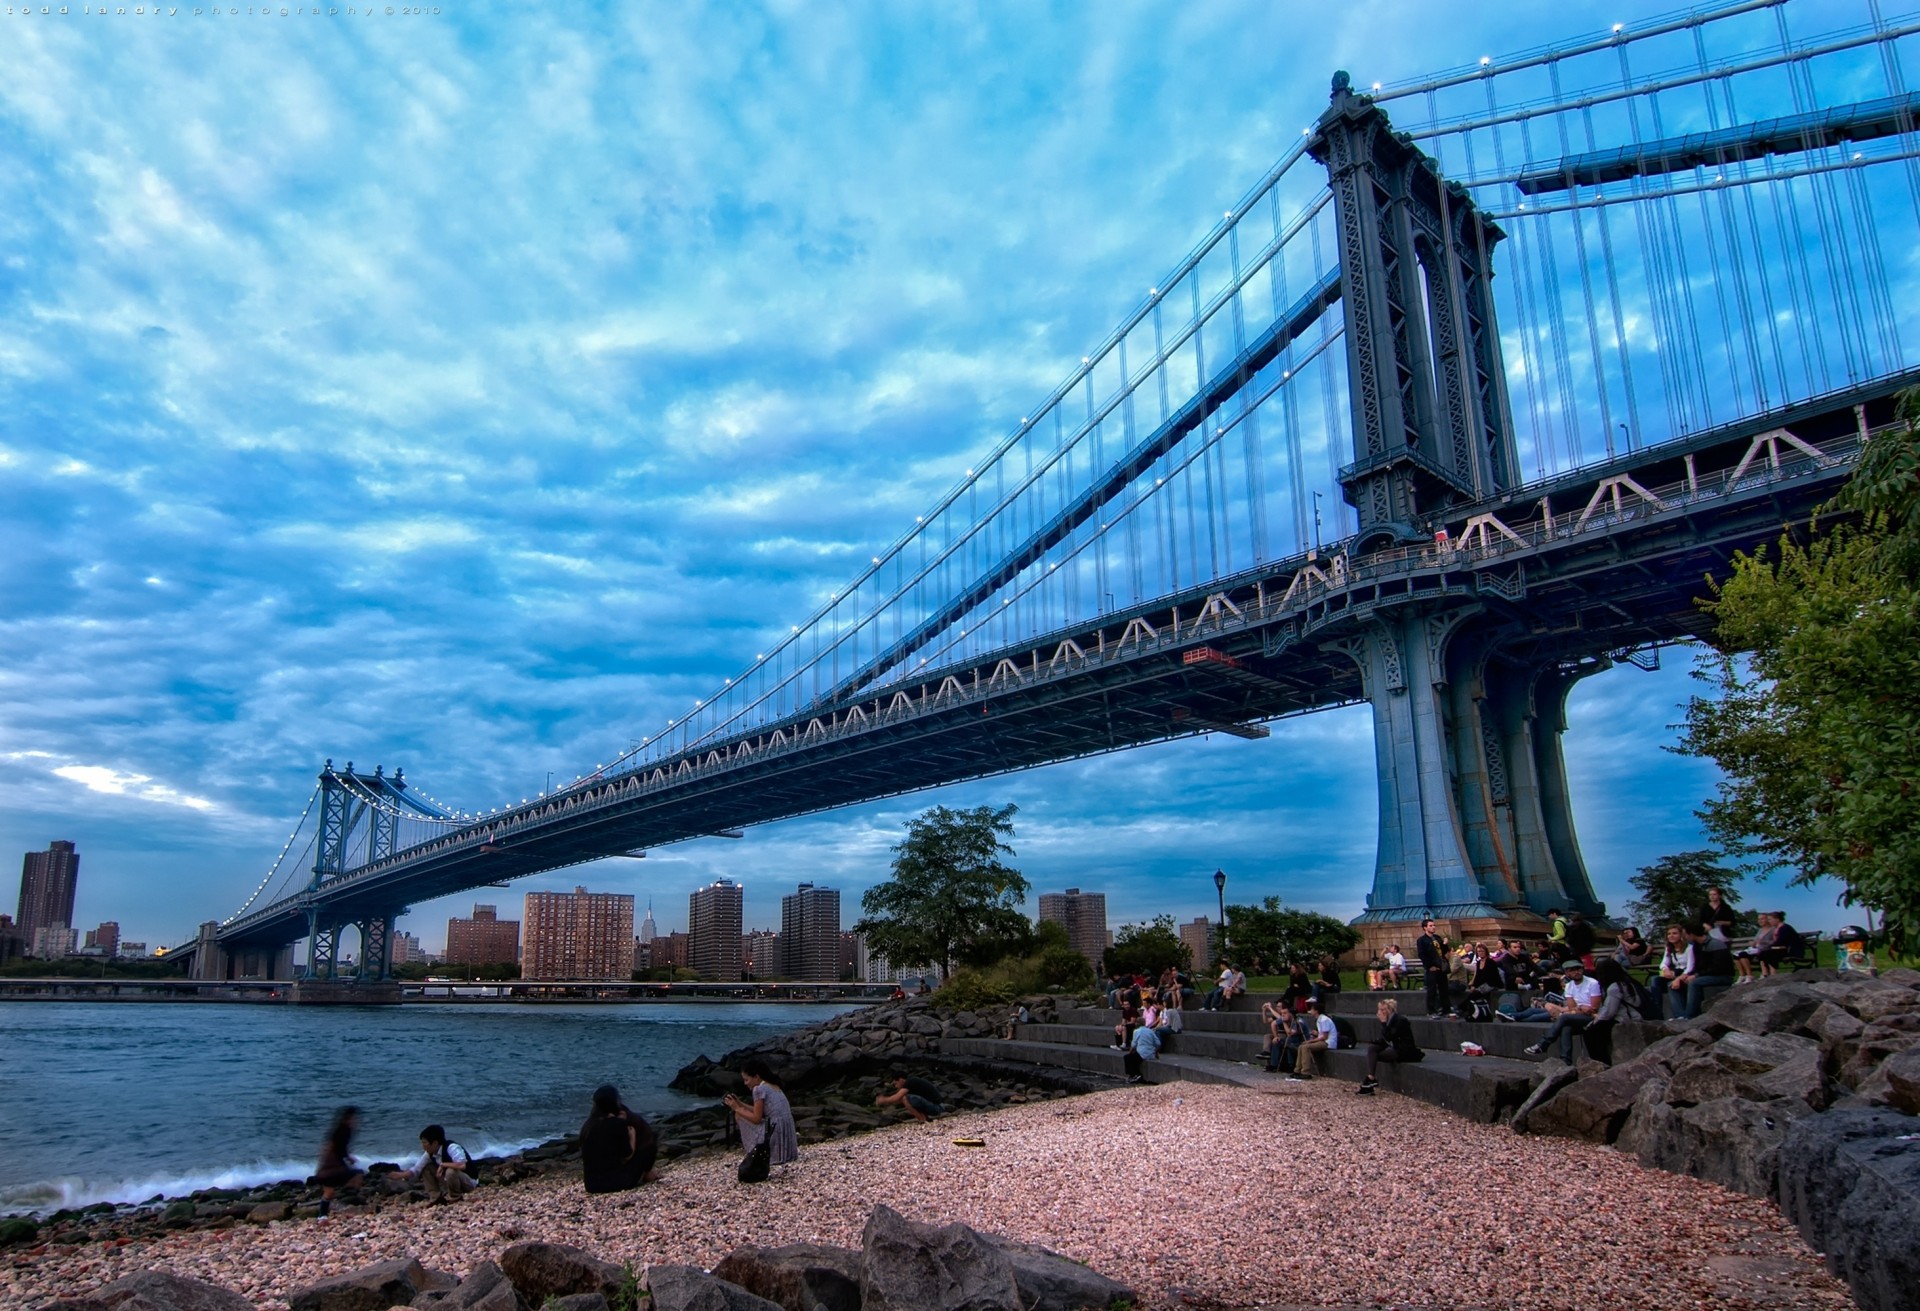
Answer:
(120, 1101)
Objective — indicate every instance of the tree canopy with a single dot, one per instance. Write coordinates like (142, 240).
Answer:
(952, 895)
(1147, 948)
(1270, 937)
(1674, 888)
(1814, 718)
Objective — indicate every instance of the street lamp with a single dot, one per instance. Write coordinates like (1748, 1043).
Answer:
(1220, 890)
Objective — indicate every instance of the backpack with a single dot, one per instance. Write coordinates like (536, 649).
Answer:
(1479, 1008)
(1635, 999)
(1344, 1027)
(472, 1167)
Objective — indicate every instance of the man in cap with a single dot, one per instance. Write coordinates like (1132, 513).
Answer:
(1576, 1013)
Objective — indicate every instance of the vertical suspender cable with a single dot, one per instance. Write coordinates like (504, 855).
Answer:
(1575, 217)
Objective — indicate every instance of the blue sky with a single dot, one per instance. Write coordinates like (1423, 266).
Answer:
(467, 392)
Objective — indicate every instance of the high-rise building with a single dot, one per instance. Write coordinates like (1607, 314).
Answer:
(105, 939)
(1083, 915)
(404, 949)
(713, 928)
(47, 880)
(54, 941)
(648, 931)
(810, 932)
(761, 954)
(11, 947)
(484, 939)
(1198, 936)
(578, 935)
(668, 951)
(853, 956)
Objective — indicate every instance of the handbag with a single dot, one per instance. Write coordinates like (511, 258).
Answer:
(757, 1163)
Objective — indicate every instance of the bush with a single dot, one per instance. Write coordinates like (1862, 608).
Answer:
(967, 990)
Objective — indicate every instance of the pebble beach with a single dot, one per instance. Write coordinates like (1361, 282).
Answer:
(1298, 1195)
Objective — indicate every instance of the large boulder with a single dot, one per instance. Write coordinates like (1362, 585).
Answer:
(1731, 1141)
(158, 1290)
(371, 1288)
(1750, 1054)
(1704, 1079)
(1895, 1083)
(1833, 1023)
(915, 1267)
(1646, 1116)
(1593, 1108)
(1554, 1076)
(799, 1276)
(1850, 1179)
(689, 1288)
(486, 1288)
(1050, 1282)
(1803, 1078)
(1777, 1005)
(1867, 997)
(539, 1271)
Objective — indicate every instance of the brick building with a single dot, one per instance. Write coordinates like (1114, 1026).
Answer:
(483, 939)
(578, 935)
(713, 927)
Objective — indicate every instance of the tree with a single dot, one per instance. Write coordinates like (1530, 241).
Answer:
(1147, 948)
(1269, 937)
(1674, 888)
(1815, 717)
(951, 895)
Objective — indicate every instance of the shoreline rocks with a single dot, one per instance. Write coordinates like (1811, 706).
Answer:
(1803, 1089)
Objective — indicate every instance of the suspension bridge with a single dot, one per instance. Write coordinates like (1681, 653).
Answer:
(1462, 402)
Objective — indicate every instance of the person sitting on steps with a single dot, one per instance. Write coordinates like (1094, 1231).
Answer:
(1232, 983)
(1325, 1037)
(1146, 1047)
(1396, 1044)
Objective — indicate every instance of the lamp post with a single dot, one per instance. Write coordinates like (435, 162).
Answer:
(1220, 890)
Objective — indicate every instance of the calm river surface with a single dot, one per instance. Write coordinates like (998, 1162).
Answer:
(119, 1101)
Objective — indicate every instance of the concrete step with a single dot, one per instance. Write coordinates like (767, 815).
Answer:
(1478, 1088)
(1193, 1021)
(1092, 1060)
(1218, 1046)
(1498, 1038)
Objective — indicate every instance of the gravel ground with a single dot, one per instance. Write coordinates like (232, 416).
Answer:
(1197, 1195)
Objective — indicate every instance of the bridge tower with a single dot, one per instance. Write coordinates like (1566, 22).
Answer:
(346, 800)
(1476, 828)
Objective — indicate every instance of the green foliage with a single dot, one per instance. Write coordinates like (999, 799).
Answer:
(969, 990)
(1147, 948)
(1052, 966)
(1269, 937)
(1674, 888)
(89, 967)
(628, 1295)
(1817, 728)
(952, 896)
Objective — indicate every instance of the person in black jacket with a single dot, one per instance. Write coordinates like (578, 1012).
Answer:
(1431, 948)
(617, 1146)
(1580, 938)
(1718, 914)
(1395, 1044)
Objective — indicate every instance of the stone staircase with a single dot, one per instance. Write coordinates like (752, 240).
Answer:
(1224, 1047)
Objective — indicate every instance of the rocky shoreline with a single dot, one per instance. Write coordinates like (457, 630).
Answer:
(831, 1072)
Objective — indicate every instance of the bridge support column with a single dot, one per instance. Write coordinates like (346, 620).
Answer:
(376, 948)
(1476, 824)
(211, 963)
(323, 947)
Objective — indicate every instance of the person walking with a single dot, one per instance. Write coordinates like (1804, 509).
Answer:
(336, 1169)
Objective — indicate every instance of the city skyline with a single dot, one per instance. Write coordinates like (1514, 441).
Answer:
(628, 384)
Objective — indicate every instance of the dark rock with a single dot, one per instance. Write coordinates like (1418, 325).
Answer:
(539, 1271)
(1554, 1077)
(1705, 1079)
(1852, 1186)
(18, 1229)
(1643, 1118)
(1678, 1048)
(1802, 1078)
(915, 1267)
(1777, 1005)
(689, 1288)
(1747, 1053)
(1877, 1041)
(1869, 998)
(268, 1212)
(1595, 1107)
(1832, 1023)
(1731, 1141)
(486, 1288)
(1050, 1282)
(577, 1302)
(372, 1288)
(799, 1276)
(156, 1290)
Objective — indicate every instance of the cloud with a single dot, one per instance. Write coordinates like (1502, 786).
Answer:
(113, 782)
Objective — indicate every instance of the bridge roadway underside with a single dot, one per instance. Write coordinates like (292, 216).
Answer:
(1558, 602)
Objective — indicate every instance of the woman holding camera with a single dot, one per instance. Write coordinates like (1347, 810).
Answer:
(767, 1116)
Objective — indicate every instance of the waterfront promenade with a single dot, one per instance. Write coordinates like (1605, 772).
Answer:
(442, 990)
